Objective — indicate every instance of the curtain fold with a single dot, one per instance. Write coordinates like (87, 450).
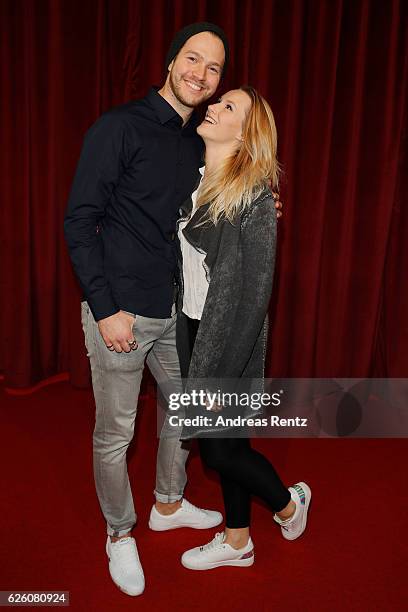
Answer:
(336, 76)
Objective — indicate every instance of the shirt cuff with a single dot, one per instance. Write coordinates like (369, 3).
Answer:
(102, 306)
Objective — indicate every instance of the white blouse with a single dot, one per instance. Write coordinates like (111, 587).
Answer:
(194, 278)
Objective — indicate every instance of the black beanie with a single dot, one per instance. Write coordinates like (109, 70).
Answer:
(187, 32)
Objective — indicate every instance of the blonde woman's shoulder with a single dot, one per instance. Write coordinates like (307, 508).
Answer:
(263, 203)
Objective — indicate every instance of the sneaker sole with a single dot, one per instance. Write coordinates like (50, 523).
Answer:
(168, 528)
(308, 499)
(233, 562)
(121, 588)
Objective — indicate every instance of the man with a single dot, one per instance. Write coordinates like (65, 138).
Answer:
(138, 164)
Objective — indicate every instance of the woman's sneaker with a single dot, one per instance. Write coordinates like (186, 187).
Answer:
(216, 553)
(294, 527)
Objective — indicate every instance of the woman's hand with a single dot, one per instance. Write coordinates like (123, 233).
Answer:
(213, 406)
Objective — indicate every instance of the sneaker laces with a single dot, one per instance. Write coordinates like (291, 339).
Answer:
(191, 508)
(126, 553)
(215, 543)
(287, 524)
(287, 527)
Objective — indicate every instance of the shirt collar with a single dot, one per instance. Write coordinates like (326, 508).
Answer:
(165, 112)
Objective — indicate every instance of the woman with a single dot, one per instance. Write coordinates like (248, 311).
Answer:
(228, 252)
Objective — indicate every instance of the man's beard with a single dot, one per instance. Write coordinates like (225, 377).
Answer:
(175, 88)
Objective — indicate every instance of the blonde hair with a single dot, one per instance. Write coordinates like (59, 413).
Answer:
(254, 165)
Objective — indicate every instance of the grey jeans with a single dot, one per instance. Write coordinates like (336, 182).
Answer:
(116, 381)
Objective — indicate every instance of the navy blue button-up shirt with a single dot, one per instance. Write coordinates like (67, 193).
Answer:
(137, 166)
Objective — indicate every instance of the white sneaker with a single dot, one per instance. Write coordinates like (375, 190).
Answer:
(186, 516)
(294, 527)
(124, 565)
(216, 553)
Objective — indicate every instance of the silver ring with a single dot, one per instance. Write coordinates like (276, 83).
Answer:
(131, 343)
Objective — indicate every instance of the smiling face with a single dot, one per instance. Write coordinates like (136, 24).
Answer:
(224, 120)
(196, 70)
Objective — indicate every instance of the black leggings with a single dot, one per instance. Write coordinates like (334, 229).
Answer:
(243, 471)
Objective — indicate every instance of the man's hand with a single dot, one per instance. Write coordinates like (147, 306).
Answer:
(278, 204)
(116, 332)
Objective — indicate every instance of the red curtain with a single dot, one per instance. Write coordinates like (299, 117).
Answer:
(335, 73)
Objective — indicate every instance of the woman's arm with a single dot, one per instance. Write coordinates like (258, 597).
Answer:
(258, 239)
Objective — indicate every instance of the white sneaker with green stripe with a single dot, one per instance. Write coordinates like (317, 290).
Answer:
(293, 527)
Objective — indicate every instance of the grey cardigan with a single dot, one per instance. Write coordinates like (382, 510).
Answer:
(240, 261)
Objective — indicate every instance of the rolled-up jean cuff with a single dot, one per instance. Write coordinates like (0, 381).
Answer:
(118, 533)
(167, 499)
